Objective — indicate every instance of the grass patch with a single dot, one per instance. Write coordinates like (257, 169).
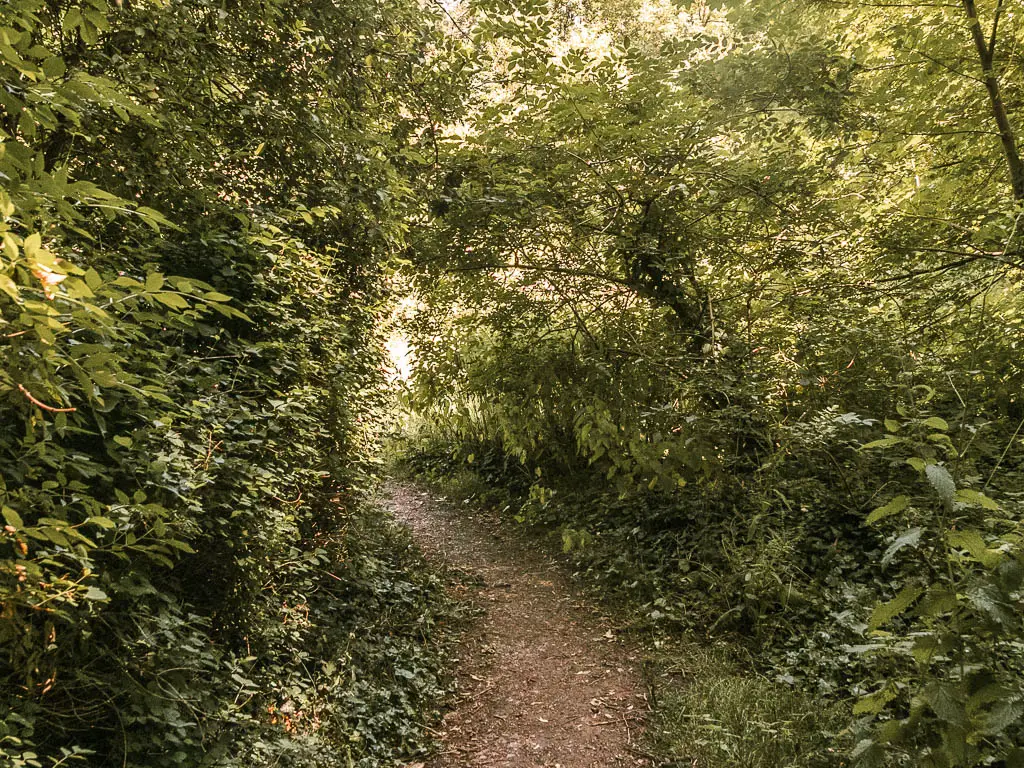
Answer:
(710, 712)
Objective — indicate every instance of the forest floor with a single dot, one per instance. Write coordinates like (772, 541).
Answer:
(543, 678)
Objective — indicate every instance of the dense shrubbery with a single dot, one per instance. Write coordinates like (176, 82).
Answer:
(730, 298)
(198, 199)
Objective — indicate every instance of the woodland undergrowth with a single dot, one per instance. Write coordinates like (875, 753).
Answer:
(727, 297)
(193, 261)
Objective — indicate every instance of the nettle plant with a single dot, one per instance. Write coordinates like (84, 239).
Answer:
(949, 642)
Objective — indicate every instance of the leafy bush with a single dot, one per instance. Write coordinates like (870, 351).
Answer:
(953, 625)
(190, 276)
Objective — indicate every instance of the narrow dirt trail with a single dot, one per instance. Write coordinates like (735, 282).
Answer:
(542, 681)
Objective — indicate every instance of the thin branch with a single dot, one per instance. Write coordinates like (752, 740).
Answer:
(995, 27)
(995, 97)
(35, 401)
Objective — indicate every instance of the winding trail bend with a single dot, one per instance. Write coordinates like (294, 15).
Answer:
(543, 681)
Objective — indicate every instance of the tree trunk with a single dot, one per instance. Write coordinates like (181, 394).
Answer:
(986, 54)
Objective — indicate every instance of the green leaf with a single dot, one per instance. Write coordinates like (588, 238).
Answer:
(895, 505)
(215, 296)
(945, 701)
(9, 287)
(916, 463)
(868, 753)
(72, 19)
(910, 538)
(102, 522)
(33, 244)
(934, 422)
(94, 593)
(892, 425)
(123, 440)
(54, 67)
(972, 541)
(172, 300)
(942, 482)
(12, 518)
(873, 703)
(885, 442)
(885, 612)
(937, 601)
(975, 498)
(154, 282)
(924, 648)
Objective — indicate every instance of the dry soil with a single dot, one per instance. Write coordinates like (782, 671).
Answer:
(543, 679)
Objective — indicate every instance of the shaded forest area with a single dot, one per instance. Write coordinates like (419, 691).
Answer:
(724, 297)
(200, 200)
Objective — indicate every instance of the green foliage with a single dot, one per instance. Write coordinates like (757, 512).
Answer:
(717, 716)
(953, 630)
(679, 257)
(192, 266)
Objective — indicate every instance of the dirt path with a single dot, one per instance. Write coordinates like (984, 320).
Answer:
(542, 681)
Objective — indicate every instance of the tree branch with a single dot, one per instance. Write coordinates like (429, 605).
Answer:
(37, 402)
(985, 55)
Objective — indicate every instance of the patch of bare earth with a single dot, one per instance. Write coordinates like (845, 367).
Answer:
(543, 681)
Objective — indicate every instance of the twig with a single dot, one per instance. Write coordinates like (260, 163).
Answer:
(296, 501)
(35, 401)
